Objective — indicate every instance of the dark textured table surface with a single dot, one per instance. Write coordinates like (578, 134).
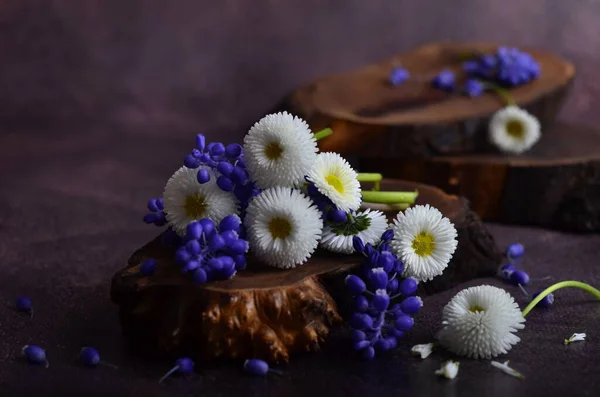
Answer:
(70, 210)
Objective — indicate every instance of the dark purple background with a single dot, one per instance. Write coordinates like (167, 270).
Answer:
(100, 100)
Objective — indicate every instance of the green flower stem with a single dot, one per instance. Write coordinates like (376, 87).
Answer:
(371, 177)
(501, 92)
(323, 133)
(390, 197)
(557, 286)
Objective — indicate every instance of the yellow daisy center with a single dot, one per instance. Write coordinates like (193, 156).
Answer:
(335, 182)
(195, 206)
(280, 228)
(423, 244)
(515, 128)
(273, 150)
(475, 309)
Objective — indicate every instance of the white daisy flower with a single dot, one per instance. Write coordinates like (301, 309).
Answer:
(279, 150)
(186, 200)
(422, 350)
(514, 130)
(507, 370)
(284, 227)
(449, 369)
(575, 338)
(368, 225)
(481, 322)
(334, 178)
(424, 240)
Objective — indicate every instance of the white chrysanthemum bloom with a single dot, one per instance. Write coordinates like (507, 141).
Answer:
(284, 227)
(514, 130)
(422, 350)
(186, 200)
(449, 369)
(507, 370)
(336, 179)
(368, 225)
(424, 240)
(481, 322)
(279, 150)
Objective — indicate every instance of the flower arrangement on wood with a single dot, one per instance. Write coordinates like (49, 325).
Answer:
(275, 196)
(512, 129)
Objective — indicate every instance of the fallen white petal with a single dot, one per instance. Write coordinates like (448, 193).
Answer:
(449, 369)
(508, 370)
(575, 338)
(422, 350)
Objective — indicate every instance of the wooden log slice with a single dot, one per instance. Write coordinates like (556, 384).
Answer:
(374, 119)
(556, 184)
(265, 312)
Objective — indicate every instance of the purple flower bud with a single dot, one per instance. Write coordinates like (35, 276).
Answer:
(360, 304)
(358, 335)
(547, 301)
(404, 323)
(199, 276)
(378, 278)
(215, 264)
(230, 222)
(89, 357)
(208, 226)
(474, 88)
(182, 256)
(225, 168)
(398, 76)
(197, 153)
(381, 300)
(190, 265)
(395, 308)
(355, 284)
(373, 257)
(233, 150)
(193, 230)
(229, 237)
(515, 251)
(149, 218)
(445, 80)
(217, 149)
(216, 242)
(191, 162)
(200, 142)
(205, 158)
(381, 345)
(391, 342)
(240, 261)
(369, 249)
(148, 266)
(256, 367)
(386, 261)
(361, 321)
(398, 266)
(388, 235)
(398, 334)
(203, 176)
(519, 277)
(393, 285)
(358, 244)
(362, 344)
(24, 304)
(238, 247)
(408, 286)
(336, 216)
(506, 271)
(35, 355)
(152, 205)
(183, 366)
(239, 175)
(411, 305)
(225, 183)
(193, 247)
(367, 354)
(160, 219)
(471, 67)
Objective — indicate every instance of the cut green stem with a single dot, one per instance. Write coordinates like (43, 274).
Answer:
(501, 92)
(557, 286)
(371, 177)
(390, 197)
(323, 133)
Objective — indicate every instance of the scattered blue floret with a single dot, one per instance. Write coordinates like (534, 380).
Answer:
(24, 304)
(398, 76)
(183, 366)
(35, 355)
(90, 357)
(445, 80)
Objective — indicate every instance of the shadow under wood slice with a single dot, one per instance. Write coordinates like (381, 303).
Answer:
(265, 312)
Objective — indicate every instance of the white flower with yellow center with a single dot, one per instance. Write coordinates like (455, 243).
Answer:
(186, 200)
(514, 130)
(279, 150)
(368, 225)
(284, 227)
(481, 322)
(337, 180)
(424, 240)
